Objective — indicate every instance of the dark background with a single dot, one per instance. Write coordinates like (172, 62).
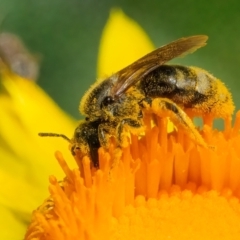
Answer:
(66, 34)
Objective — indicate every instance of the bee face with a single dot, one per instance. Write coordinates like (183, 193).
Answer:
(85, 140)
(118, 103)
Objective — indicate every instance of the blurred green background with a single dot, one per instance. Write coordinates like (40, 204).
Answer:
(66, 35)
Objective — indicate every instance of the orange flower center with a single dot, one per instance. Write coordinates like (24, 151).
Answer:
(161, 186)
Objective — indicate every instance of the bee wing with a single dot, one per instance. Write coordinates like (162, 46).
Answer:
(128, 76)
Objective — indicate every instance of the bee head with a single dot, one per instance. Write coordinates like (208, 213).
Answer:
(85, 140)
(95, 101)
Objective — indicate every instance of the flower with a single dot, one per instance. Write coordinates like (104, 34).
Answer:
(25, 110)
(161, 186)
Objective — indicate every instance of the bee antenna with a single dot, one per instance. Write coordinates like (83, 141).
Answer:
(54, 135)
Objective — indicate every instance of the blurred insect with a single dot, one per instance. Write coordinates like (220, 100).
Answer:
(118, 102)
(17, 57)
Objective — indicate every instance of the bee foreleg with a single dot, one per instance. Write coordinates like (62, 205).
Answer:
(134, 124)
(166, 108)
(74, 148)
(105, 131)
(146, 102)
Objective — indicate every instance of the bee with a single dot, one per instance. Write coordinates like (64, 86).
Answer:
(118, 102)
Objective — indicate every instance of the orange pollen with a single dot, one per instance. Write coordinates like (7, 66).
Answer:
(161, 186)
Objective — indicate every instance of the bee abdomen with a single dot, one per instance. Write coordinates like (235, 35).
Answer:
(171, 81)
(189, 87)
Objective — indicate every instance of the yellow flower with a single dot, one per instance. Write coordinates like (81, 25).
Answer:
(161, 186)
(26, 110)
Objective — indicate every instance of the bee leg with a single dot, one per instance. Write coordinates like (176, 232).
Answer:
(132, 123)
(104, 134)
(74, 148)
(145, 102)
(165, 107)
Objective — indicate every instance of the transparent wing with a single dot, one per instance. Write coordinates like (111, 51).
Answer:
(128, 76)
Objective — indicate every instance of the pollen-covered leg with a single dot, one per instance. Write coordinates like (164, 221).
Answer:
(135, 128)
(105, 131)
(165, 107)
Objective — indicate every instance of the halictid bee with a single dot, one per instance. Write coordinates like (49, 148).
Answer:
(116, 103)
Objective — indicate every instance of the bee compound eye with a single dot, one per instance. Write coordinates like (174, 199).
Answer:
(108, 100)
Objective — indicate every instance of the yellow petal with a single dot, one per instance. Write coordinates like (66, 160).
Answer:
(25, 111)
(11, 226)
(123, 42)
